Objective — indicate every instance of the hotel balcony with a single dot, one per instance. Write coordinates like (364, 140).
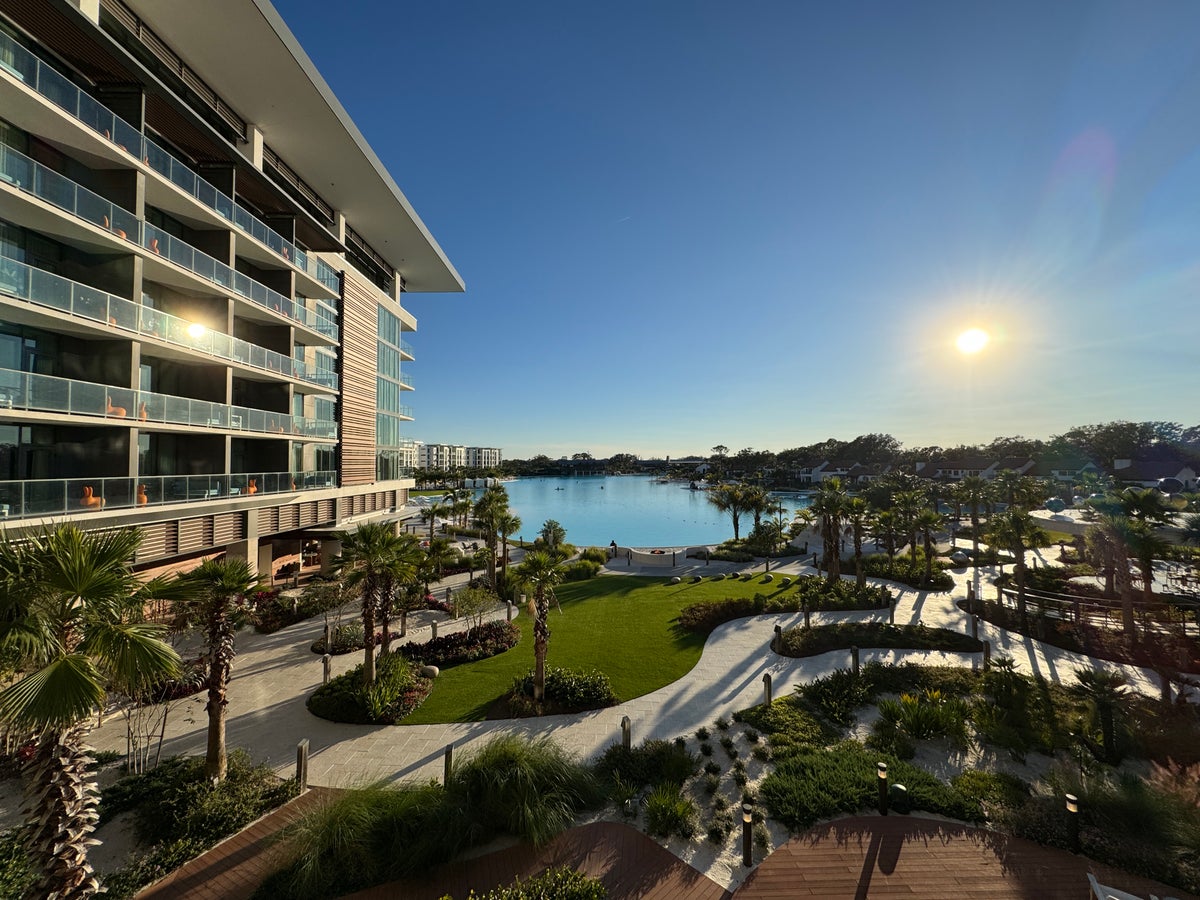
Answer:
(84, 496)
(36, 96)
(51, 397)
(177, 336)
(103, 226)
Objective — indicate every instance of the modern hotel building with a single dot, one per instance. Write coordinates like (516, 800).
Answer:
(202, 277)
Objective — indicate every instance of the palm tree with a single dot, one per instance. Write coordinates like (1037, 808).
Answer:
(1191, 529)
(927, 523)
(508, 525)
(71, 620)
(758, 502)
(490, 508)
(829, 507)
(369, 559)
(889, 528)
(409, 563)
(1113, 536)
(858, 519)
(731, 500)
(1104, 691)
(1145, 546)
(539, 572)
(975, 492)
(908, 506)
(431, 513)
(214, 601)
(1016, 531)
(553, 534)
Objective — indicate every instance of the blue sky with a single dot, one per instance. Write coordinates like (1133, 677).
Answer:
(763, 224)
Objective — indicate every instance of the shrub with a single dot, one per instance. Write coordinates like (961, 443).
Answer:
(905, 571)
(923, 716)
(273, 611)
(553, 884)
(810, 785)
(596, 555)
(712, 783)
(991, 789)
(397, 691)
(489, 639)
(582, 570)
(712, 768)
(706, 748)
(722, 724)
(800, 642)
(787, 723)
(15, 875)
(702, 733)
(567, 690)
(650, 763)
(347, 637)
(809, 591)
(669, 812)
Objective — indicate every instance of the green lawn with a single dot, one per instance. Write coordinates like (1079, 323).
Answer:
(622, 625)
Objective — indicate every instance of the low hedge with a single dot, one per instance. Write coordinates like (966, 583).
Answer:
(905, 571)
(347, 638)
(810, 785)
(489, 639)
(800, 642)
(553, 884)
(397, 691)
(808, 591)
(567, 691)
(651, 763)
(582, 570)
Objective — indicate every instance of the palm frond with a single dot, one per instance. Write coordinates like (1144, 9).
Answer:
(58, 695)
(132, 654)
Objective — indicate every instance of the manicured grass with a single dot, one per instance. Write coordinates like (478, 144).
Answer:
(622, 625)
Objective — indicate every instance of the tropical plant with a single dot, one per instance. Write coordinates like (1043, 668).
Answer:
(975, 493)
(214, 601)
(540, 572)
(490, 510)
(829, 507)
(1104, 692)
(374, 558)
(889, 528)
(508, 525)
(1016, 531)
(908, 506)
(1111, 537)
(928, 522)
(431, 513)
(858, 520)
(731, 500)
(71, 622)
(553, 534)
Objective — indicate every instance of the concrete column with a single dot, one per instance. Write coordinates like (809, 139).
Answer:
(244, 550)
(253, 150)
(265, 558)
(90, 8)
(330, 550)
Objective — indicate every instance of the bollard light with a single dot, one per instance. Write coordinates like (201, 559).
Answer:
(881, 770)
(1073, 821)
(747, 819)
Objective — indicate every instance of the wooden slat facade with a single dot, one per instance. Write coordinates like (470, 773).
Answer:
(360, 325)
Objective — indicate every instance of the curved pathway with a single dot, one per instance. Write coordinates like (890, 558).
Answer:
(273, 675)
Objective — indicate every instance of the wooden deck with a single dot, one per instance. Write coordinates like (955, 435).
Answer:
(858, 857)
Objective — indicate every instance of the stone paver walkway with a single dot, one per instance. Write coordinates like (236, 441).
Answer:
(273, 675)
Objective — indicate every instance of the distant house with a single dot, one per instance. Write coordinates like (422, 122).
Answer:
(956, 469)
(1065, 469)
(864, 474)
(1149, 472)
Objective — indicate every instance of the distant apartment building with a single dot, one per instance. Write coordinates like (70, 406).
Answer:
(202, 277)
(483, 457)
(456, 456)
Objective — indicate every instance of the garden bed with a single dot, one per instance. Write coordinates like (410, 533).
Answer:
(482, 642)
(811, 592)
(397, 691)
(800, 642)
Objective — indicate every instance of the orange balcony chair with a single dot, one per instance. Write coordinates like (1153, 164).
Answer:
(89, 500)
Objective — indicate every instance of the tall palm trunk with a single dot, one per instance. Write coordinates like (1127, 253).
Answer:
(860, 577)
(220, 662)
(928, 535)
(541, 640)
(975, 531)
(370, 592)
(1019, 549)
(62, 817)
(387, 595)
(1124, 585)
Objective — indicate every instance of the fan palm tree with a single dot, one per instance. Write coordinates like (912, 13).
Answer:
(369, 560)
(539, 572)
(975, 493)
(729, 499)
(508, 525)
(214, 601)
(858, 520)
(409, 564)
(1016, 531)
(71, 619)
(1104, 692)
(1145, 546)
(929, 522)
(553, 534)
(829, 507)
(430, 514)
(758, 502)
(490, 508)
(889, 528)
(1113, 535)
(1191, 529)
(908, 506)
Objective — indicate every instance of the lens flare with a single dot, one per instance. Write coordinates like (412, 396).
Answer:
(972, 340)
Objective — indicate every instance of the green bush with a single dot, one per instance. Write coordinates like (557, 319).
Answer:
(799, 642)
(668, 812)
(553, 884)
(595, 554)
(918, 717)
(347, 637)
(567, 690)
(810, 785)
(273, 611)
(487, 640)
(652, 762)
(807, 591)
(582, 570)
(15, 874)
(397, 691)
(992, 790)
(905, 571)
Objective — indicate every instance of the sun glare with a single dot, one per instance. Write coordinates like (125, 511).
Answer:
(972, 340)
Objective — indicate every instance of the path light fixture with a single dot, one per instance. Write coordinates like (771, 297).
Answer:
(747, 819)
(1073, 821)
(881, 769)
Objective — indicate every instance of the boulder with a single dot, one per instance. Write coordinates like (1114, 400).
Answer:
(675, 580)
(768, 577)
(430, 671)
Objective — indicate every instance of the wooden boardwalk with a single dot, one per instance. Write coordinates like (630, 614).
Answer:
(852, 858)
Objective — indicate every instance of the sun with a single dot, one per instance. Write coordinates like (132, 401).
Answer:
(972, 340)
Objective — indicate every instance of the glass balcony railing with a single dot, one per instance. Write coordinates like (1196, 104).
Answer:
(406, 379)
(53, 497)
(406, 348)
(23, 65)
(407, 412)
(55, 292)
(184, 254)
(48, 393)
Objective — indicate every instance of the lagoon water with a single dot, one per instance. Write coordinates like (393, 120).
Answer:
(633, 510)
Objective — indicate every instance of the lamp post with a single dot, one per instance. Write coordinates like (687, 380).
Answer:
(747, 819)
(1073, 821)
(881, 769)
